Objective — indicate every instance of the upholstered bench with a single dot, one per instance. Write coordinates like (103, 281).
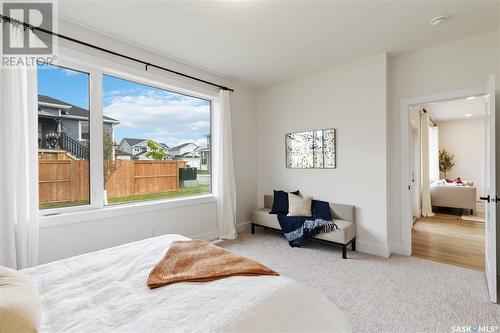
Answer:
(343, 216)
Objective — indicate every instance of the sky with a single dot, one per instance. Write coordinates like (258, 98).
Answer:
(144, 112)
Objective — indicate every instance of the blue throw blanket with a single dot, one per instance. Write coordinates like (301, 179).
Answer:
(298, 229)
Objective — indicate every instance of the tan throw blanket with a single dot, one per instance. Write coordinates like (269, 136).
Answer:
(200, 261)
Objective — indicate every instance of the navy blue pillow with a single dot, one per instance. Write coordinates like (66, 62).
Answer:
(280, 202)
(321, 210)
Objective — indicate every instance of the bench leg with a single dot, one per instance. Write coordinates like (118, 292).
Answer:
(344, 250)
(353, 244)
(253, 228)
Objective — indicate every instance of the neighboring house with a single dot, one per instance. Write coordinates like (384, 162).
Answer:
(65, 126)
(135, 149)
(204, 153)
(123, 155)
(187, 152)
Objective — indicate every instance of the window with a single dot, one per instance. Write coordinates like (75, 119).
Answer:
(156, 142)
(105, 140)
(63, 120)
(84, 131)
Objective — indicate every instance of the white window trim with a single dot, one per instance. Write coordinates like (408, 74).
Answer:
(77, 59)
(88, 215)
(80, 138)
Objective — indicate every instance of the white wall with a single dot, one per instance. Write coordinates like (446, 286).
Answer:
(352, 99)
(456, 65)
(196, 221)
(466, 140)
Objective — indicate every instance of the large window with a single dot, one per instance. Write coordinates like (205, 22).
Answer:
(140, 142)
(63, 140)
(156, 142)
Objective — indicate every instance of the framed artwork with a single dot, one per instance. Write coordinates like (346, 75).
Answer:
(315, 149)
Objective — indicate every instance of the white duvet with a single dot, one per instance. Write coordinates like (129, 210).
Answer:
(106, 291)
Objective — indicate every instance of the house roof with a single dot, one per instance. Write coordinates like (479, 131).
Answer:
(163, 145)
(141, 153)
(183, 145)
(133, 141)
(190, 154)
(122, 153)
(73, 110)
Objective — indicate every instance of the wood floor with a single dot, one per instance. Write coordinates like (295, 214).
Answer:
(449, 240)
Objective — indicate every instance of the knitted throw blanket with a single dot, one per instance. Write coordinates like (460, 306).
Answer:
(298, 230)
(200, 261)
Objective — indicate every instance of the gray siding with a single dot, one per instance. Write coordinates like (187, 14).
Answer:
(71, 128)
(124, 146)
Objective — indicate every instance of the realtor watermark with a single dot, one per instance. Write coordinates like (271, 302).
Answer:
(475, 328)
(24, 40)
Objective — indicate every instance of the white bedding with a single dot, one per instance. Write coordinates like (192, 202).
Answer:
(106, 291)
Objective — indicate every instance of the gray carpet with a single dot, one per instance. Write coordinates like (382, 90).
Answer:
(398, 294)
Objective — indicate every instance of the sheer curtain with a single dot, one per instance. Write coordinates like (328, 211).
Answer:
(224, 183)
(425, 180)
(18, 165)
(433, 153)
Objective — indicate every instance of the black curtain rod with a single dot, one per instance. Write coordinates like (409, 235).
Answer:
(7, 19)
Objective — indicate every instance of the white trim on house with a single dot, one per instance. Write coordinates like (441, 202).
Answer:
(405, 129)
(55, 106)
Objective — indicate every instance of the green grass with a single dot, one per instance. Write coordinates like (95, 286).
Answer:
(203, 172)
(185, 191)
(63, 204)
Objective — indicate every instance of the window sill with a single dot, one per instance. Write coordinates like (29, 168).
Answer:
(121, 210)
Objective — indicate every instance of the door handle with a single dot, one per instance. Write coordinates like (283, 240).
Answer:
(487, 198)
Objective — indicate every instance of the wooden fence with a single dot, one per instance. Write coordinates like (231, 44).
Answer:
(68, 180)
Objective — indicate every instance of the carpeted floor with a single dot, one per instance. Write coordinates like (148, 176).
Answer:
(396, 294)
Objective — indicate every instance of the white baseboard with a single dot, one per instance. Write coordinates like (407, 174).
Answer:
(244, 226)
(398, 248)
(212, 235)
(372, 248)
(208, 236)
(361, 246)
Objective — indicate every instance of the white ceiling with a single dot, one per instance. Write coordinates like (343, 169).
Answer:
(456, 109)
(264, 42)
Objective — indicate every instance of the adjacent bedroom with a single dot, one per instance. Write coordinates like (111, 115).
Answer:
(448, 161)
(249, 166)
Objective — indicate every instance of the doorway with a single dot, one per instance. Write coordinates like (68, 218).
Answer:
(448, 169)
(408, 179)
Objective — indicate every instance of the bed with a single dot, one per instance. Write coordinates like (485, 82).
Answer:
(444, 194)
(105, 291)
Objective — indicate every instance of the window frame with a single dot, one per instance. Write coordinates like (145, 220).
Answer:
(79, 60)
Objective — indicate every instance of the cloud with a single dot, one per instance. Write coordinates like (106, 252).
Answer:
(162, 116)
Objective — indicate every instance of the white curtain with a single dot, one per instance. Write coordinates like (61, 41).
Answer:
(433, 153)
(18, 165)
(425, 180)
(224, 183)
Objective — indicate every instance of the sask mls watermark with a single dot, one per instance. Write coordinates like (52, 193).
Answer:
(24, 42)
(475, 328)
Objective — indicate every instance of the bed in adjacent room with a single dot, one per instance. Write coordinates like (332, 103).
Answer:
(105, 291)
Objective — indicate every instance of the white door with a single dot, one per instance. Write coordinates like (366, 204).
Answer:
(490, 190)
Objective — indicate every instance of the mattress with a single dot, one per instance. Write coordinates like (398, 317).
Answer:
(105, 291)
